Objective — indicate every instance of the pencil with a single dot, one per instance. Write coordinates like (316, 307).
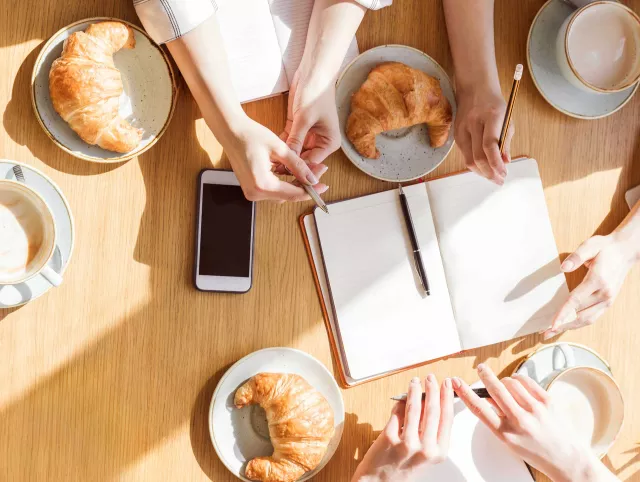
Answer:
(512, 100)
(481, 392)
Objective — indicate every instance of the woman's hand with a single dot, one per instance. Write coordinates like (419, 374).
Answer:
(312, 129)
(521, 418)
(257, 154)
(609, 259)
(477, 132)
(415, 436)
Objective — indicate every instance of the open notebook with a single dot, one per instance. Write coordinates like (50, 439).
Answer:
(264, 40)
(475, 455)
(489, 253)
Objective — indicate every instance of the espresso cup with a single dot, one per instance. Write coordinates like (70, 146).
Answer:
(27, 235)
(598, 47)
(587, 399)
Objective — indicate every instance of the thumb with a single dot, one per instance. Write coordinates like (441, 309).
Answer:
(585, 252)
(299, 129)
(296, 166)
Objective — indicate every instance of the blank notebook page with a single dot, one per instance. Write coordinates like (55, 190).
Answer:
(499, 254)
(250, 40)
(475, 455)
(382, 319)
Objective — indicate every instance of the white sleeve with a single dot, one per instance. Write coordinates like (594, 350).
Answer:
(166, 20)
(375, 4)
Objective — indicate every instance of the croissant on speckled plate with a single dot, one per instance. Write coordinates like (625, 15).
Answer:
(396, 96)
(85, 86)
(301, 425)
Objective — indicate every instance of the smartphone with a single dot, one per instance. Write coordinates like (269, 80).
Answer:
(224, 234)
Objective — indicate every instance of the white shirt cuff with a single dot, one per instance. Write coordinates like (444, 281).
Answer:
(166, 20)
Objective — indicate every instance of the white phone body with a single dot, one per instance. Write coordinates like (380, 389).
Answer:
(227, 263)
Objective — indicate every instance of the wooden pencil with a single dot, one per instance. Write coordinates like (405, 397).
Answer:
(517, 76)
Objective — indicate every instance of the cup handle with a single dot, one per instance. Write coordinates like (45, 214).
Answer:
(51, 276)
(563, 357)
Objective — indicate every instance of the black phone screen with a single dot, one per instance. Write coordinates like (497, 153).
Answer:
(225, 231)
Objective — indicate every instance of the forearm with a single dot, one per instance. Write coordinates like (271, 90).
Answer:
(628, 232)
(331, 30)
(470, 30)
(202, 60)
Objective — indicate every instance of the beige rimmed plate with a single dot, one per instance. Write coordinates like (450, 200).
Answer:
(148, 100)
(405, 154)
(239, 435)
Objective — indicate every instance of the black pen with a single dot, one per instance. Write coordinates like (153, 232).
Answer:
(414, 241)
(481, 392)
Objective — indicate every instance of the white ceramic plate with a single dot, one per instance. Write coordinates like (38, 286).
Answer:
(562, 95)
(16, 295)
(148, 100)
(404, 154)
(241, 435)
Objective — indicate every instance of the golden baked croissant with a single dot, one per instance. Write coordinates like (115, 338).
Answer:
(85, 86)
(300, 425)
(395, 96)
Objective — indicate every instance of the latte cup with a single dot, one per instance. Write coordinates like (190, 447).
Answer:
(587, 399)
(27, 235)
(598, 47)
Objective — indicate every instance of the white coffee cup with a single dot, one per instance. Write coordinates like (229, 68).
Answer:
(27, 235)
(598, 47)
(587, 399)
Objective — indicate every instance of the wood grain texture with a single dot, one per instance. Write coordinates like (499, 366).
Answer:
(110, 375)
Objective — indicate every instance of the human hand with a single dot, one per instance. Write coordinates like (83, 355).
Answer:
(608, 259)
(415, 436)
(520, 417)
(477, 132)
(257, 154)
(312, 130)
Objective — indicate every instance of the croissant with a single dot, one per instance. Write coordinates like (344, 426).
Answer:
(395, 96)
(300, 425)
(85, 86)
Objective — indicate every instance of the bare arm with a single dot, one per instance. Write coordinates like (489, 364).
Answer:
(481, 106)
(312, 121)
(252, 149)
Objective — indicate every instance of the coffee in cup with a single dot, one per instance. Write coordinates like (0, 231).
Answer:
(27, 235)
(598, 47)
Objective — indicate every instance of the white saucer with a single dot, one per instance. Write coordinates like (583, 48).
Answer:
(16, 295)
(539, 365)
(235, 438)
(541, 55)
(404, 154)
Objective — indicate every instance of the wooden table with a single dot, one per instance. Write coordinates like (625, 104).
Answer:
(110, 375)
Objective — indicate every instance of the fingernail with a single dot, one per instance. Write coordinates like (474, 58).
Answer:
(323, 169)
(548, 335)
(481, 367)
(447, 383)
(415, 380)
(431, 377)
(457, 383)
(567, 265)
(312, 179)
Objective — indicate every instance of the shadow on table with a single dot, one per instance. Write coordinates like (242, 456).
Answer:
(199, 429)
(21, 125)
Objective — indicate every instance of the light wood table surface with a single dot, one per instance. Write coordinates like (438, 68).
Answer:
(110, 375)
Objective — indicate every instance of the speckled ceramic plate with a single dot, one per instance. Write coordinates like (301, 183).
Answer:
(405, 154)
(541, 55)
(19, 294)
(148, 99)
(239, 435)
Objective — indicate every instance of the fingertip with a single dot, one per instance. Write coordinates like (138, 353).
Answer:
(457, 383)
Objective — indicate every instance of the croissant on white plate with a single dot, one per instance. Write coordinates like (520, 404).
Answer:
(300, 425)
(85, 86)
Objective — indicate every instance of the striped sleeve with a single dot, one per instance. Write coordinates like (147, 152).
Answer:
(166, 20)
